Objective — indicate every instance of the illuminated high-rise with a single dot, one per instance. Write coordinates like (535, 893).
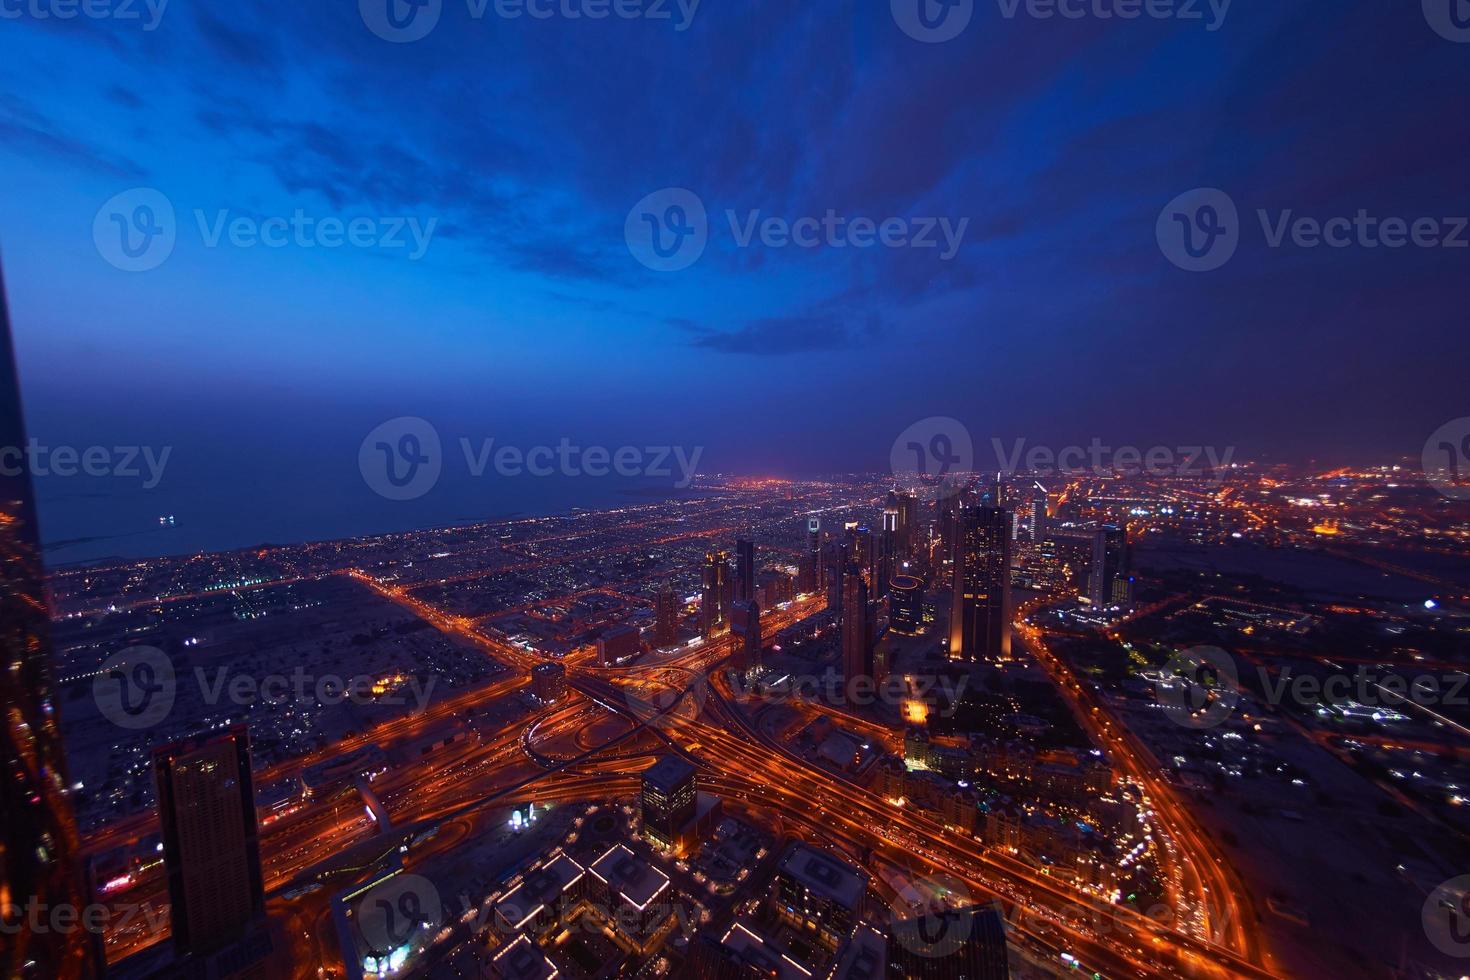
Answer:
(888, 548)
(669, 801)
(38, 835)
(906, 605)
(980, 612)
(716, 594)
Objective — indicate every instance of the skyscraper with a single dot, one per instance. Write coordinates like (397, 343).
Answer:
(906, 605)
(745, 621)
(857, 626)
(744, 569)
(835, 562)
(1038, 524)
(887, 548)
(669, 801)
(666, 618)
(714, 610)
(953, 944)
(814, 555)
(1111, 582)
(860, 550)
(980, 625)
(908, 524)
(211, 854)
(38, 835)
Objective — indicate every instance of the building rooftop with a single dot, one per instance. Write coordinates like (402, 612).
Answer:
(863, 957)
(637, 881)
(521, 960)
(750, 949)
(668, 772)
(537, 890)
(825, 875)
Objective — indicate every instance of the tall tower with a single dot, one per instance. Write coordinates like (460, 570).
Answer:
(857, 627)
(745, 621)
(211, 851)
(1038, 513)
(1111, 582)
(744, 570)
(980, 625)
(715, 597)
(814, 554)
(38, 834)
(666, 618)
(908, 524)
(887, 549)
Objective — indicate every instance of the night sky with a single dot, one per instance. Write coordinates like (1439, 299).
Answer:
(528, 141)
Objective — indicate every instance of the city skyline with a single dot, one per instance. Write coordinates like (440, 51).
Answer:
(677, 490)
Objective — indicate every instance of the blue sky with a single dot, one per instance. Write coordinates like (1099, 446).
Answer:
(528, 141)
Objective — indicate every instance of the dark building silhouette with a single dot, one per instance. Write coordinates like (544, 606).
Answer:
(744, 570)
(38, 834)
(834, 561)
(666, 618)
(954, 944)
(745, 621)
(857, 626)
(813, 565)
(1111, 582)
(980, 624)
(211, 853)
